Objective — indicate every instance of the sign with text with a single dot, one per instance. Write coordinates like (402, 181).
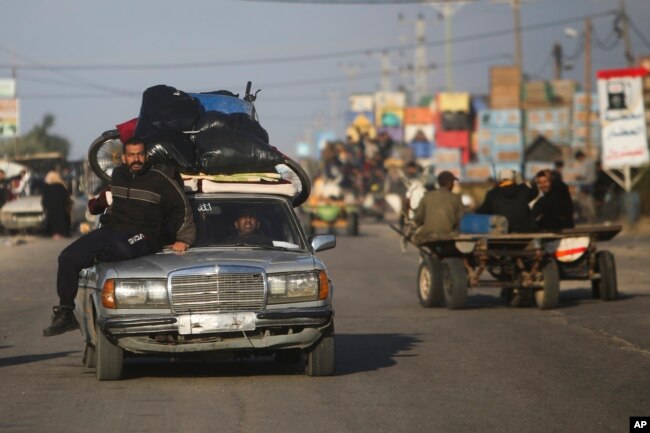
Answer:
(7, 88)
(622, 118)
(8, 118)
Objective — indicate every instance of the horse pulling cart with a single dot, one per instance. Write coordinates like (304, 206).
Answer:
(527, 267)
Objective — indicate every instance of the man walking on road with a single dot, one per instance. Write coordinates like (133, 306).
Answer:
(149, 209)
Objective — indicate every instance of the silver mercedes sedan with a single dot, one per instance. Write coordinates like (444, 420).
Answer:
(250, 286)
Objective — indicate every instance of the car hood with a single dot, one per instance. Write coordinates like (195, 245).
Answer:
(24, 204)
(161, 264)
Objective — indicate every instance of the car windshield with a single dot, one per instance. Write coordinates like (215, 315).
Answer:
(238, 222)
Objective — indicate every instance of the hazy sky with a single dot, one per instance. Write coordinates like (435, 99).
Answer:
(300, 55)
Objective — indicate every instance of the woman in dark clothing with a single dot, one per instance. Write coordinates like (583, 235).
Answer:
(56, 206)
(554, 209)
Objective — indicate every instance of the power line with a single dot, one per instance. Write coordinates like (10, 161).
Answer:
(301, 58)
(275, 85)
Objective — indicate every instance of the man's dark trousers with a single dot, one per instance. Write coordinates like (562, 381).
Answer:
(102, 244)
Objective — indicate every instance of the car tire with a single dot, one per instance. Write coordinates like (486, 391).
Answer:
(547, 297)
(110, 359)
(352, 221)
(429, 283)
(90, 356)
(454, 282)
(607, 284)
(321, 359)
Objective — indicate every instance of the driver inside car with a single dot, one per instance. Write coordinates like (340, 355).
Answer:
(248, 230)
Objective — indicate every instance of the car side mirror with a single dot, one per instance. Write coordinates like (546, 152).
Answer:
(323, 242)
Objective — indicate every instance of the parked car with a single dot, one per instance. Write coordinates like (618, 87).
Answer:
(25, 214)
(220, 297)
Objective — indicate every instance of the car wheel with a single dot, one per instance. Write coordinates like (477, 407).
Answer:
(110, 359)
(320, 360)
(90, 356)
(607, 285)
(430, 290)
(454, 282)
(547, 297)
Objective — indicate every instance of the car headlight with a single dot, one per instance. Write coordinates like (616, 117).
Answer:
(293, 287)
(120, 293)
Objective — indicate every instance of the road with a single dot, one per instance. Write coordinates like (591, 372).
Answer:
(584, 367)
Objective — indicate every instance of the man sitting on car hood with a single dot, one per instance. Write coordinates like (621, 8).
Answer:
(148, 207)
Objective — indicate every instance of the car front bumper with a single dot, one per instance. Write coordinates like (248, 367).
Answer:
(277, 329)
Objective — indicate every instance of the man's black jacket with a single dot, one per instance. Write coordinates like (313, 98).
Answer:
(152, 203)
(510, 201)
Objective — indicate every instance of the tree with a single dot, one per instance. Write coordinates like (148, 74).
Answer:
(38, 139)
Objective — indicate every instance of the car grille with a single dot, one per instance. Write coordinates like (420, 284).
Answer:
(214, 293)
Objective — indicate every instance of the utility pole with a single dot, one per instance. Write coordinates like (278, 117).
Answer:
(558, 59)
(516, 15)
(333, 96)
(629, 55)
(447, 10)
(386, 70)
(351, 71)
(421, 72)
(587, 85)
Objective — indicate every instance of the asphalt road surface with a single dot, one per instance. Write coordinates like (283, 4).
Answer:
(584, 367)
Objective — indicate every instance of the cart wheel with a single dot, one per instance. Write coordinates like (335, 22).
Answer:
(430, 292)
(607, 286)
(104, 154)
(454, 282)
(352, 221)
(547, 297)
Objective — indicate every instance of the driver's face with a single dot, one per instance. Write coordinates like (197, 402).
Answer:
(544, 184)
(134, 157)
(246, 224)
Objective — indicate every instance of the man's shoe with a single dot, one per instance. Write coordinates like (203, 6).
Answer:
(63, 320)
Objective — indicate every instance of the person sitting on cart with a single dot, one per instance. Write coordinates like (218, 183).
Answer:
(249, 231)
(553, 208)
(510, 200)
(439, 212)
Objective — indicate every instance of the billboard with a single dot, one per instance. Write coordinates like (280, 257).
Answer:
(8, 118)
(389, 109)
(622, 118)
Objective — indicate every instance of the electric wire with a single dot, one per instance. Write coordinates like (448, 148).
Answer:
(307, 57)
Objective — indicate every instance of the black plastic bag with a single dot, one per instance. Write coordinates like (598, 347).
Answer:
(244, 122)
(211, 119)
(226, 151)
(166, 107)
(235, 121)
(170, 147)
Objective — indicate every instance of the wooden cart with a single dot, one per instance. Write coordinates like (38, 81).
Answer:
(527, 267)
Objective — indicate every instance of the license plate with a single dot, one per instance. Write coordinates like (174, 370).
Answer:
(224, 322)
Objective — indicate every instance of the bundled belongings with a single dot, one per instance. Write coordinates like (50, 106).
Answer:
(165, 107)
(228, 151)
(203, 134)
(223, 101)
(170, 147)
(235, 121)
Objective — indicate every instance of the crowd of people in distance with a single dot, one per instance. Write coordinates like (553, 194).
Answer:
(369, 169)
